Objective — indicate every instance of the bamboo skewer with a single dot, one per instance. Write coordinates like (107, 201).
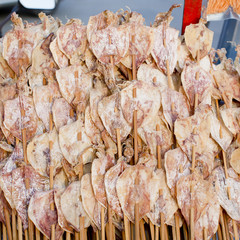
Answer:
(135, 137)
(223, 225)
(76, 236)
(68, 234)
(193, 161)
(119, 147)
(51, 169)
(236, 236)
(31, 229)
(110, 222)
(1, 229)
(159, 165)
(126, 227)
(185, 232)
(151, 229)
(102, 224)
(219, 233)
(166, 232)
(8, 224)
(156, 233)
(136, 209)
(171, 86)
(37, 233)
(81, 218)
(142, 230)
(26, 234)
(134, 69)
(174, 234)
(82, 231)
(205, 234)
(226, 227)
(14, 225)
(24, 142)
(4, 232)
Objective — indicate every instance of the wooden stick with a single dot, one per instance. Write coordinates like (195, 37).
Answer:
(81, 218)
(126, 227)
(156, 233)
(119, 145)
(129, 74)
(137, 235)
(51, 168)
(235, 230)
(166, 232)
(174, 234)
(136, 209)
(171, 86)
(205, 234)
(14, 224)
(193, 160)
(236, 236)
(24, 142)
(24, 138)
(219, 233)
(123, 235)
(68, 236)
(114, 233)
(1, 229)
(159, 160)
(110, 223)
(20, 233)
(82, 231)
(159, 165)
(191, 216)
(226, 227)
(102, 223)
(185, 232)
(37, 233)
(178, 236)
(76, 236)
(26, 234)
(31, 229)
(8, 224)
(135, 135)
(132, 231)
(4, 232)
(162, 229)
(170, 83)
(142, 230)
(45, 238)
(151, 229)
(134, 69)
(224, 235)
(53, 232)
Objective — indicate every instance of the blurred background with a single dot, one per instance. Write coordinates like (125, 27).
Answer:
(83, 9)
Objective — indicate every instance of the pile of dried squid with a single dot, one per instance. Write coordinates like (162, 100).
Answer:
(120, 128)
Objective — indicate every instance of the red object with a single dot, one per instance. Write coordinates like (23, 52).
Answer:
(191, 13)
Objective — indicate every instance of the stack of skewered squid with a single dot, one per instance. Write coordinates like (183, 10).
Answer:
(117, 126)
